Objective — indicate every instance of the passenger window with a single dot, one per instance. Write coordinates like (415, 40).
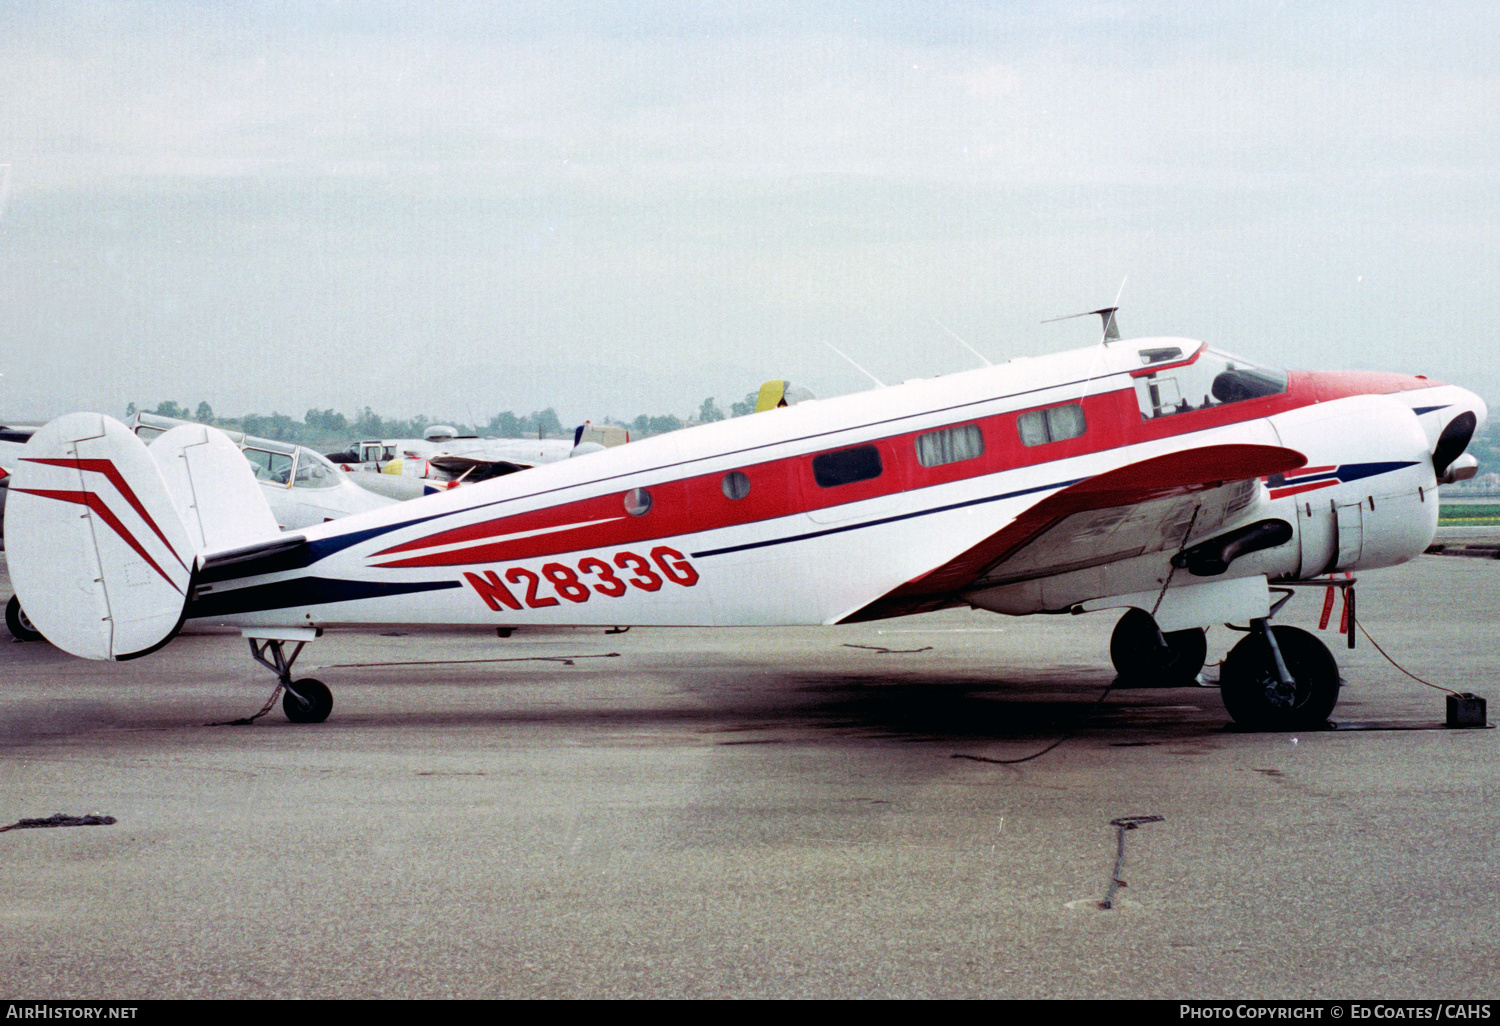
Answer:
(638, 502)
(950, 445)
(1038, 427)
(847, 466)
(735, 485)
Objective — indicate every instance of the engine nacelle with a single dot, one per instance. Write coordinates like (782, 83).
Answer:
(1368, 495)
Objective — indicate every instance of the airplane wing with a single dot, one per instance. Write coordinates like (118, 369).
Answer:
(472, 469)
(1142, 508)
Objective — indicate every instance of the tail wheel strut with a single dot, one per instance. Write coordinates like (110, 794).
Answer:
(306, 700)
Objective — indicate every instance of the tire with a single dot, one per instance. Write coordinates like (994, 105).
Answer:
(1141, 661)
(319, 702)
(1256, 700)
(15, 620)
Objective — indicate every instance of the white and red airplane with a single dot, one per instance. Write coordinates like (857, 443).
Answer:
(1156, 475)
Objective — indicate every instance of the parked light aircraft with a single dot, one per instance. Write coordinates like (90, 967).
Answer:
(301, 486)
(444, 455)
(12, 440)
(1157, 475)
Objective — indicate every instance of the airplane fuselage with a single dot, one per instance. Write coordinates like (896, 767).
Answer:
(893, 501)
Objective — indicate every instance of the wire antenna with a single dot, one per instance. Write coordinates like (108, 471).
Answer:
(961, 342)
(856, 366)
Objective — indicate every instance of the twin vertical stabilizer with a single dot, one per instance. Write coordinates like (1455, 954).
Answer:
(102, 534)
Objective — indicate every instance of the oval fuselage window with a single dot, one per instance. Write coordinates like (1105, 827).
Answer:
(637, 502)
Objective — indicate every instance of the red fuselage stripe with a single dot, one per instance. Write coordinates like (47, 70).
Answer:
(1281, 493)
(786, 486)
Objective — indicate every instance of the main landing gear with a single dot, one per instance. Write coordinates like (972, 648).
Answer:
(1276, 678)
(306, 700)
(16, 621)
(1279, 678)
(1146, 657)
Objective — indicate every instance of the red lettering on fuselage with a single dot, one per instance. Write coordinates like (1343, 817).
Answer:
(674, 566)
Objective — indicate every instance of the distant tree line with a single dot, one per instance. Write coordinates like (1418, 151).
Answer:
(329, 429)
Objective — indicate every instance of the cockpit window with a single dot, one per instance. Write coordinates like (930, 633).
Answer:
(1210, 380)
(275, 467)
(313, 471)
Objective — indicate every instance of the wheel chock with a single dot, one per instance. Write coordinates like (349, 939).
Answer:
(1467, 711)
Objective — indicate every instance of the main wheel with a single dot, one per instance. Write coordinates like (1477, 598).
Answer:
(1142, 662)
(15, 620)
(317, 705)
(1256, 699)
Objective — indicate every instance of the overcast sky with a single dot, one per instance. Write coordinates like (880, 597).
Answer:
(616, 208)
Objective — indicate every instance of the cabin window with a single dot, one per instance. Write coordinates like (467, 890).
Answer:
(735, 485)
(1212, 379)
(832, 469)
(1038, 427)
(637, 502)
(950, 445)
(270, 466)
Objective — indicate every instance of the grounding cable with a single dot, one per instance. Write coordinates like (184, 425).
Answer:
(1360, 623)
(1037, 755)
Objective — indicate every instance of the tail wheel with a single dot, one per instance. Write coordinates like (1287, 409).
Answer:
(1257, 699)
(20, 627)
(1139, 658)
(307, 701)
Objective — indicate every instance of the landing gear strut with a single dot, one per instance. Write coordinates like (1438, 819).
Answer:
(306, 700)
(1279, 678)
(1146, 657)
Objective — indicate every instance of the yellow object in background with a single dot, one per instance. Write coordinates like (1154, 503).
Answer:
(780, 393)
(772, 395)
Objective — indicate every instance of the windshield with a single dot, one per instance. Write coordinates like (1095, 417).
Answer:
(313, 471)
(1210, 380)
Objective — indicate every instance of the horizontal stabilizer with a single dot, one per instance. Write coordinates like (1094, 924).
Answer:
(282, 543)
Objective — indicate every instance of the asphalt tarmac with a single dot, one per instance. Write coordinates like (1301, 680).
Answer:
(754, 813)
